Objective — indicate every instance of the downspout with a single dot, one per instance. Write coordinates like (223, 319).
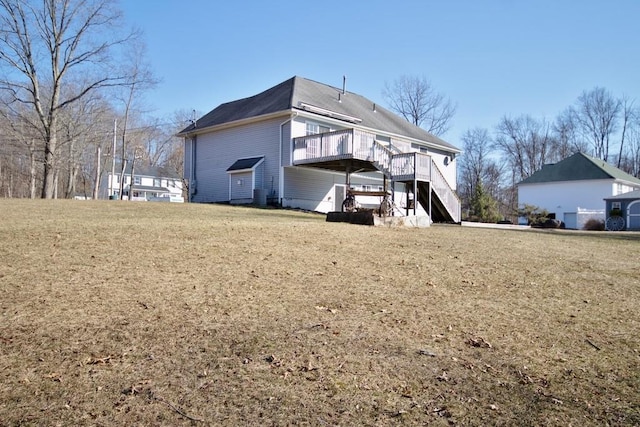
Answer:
(294, 114)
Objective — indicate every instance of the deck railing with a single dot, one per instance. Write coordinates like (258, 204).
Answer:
(357, 144)
(338, 144)
(445, 193)
(408, 166)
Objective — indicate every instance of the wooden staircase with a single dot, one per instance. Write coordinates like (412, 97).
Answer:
(444, 204)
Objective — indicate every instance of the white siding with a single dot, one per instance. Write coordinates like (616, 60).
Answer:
(216, 151)
(567, 196)
(314, 189)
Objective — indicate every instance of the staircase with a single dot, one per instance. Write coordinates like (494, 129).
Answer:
(405, 167)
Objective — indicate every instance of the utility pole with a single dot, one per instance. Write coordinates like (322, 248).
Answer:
(113, 157)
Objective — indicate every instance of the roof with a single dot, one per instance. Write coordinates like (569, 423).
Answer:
(242, 164)
(149, 188)
(631, 195)
(148, 171)
(578, 167)
(301, 94)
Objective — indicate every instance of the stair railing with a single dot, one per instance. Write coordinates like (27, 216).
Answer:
(445, 193)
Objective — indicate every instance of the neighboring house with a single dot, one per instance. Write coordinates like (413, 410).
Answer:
(305, 144)
(623, 211)
(149, 183)
(573, 189)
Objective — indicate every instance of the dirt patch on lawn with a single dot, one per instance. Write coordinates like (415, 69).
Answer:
(116, 313)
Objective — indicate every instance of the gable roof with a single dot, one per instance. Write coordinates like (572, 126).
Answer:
(578, 167)
(302, 94)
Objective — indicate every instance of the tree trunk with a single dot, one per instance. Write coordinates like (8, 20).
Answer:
(49, 183)
(32, 173)
(124, 166)
(96, 183)
(56, 179)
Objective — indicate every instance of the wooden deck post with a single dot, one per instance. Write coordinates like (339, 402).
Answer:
(415, 196)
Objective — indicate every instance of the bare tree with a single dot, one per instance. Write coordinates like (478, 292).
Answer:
(526, 144)
(44, 44)
(597, 113)
(479, 176)
(567, 135)
(631, 158)
(628, 114)
(21, 130)
(417, 101)
(139, 79)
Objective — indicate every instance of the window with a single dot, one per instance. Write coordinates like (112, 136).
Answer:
(315, 128)
(419, 148)
(136, 180)
(615, 205)
(156, 182)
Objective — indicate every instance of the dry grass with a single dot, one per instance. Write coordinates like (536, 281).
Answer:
(118, 313)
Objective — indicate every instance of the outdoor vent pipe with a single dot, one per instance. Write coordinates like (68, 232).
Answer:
(344, 84)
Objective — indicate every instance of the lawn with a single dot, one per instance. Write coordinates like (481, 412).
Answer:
(122, 313)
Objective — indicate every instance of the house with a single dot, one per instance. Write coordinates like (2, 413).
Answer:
(309, 145)
(623, 211)
(573, 189)
(149, 183)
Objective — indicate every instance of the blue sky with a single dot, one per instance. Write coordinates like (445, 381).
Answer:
(492, 58)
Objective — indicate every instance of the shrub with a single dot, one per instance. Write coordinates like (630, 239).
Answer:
(535, 216)
(594, 224)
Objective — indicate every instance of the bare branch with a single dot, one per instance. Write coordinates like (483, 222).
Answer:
(419, 103)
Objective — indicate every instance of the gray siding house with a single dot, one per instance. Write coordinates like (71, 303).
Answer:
(305, 144)
(623, 211)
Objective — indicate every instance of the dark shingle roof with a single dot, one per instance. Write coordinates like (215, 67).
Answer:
(578, 167)
(242, 164)
(292, 93)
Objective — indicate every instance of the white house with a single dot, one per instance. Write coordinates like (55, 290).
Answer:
(573, 190)
(309, 145)
(149, 183)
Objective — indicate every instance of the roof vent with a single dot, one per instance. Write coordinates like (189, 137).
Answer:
(344, 84)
